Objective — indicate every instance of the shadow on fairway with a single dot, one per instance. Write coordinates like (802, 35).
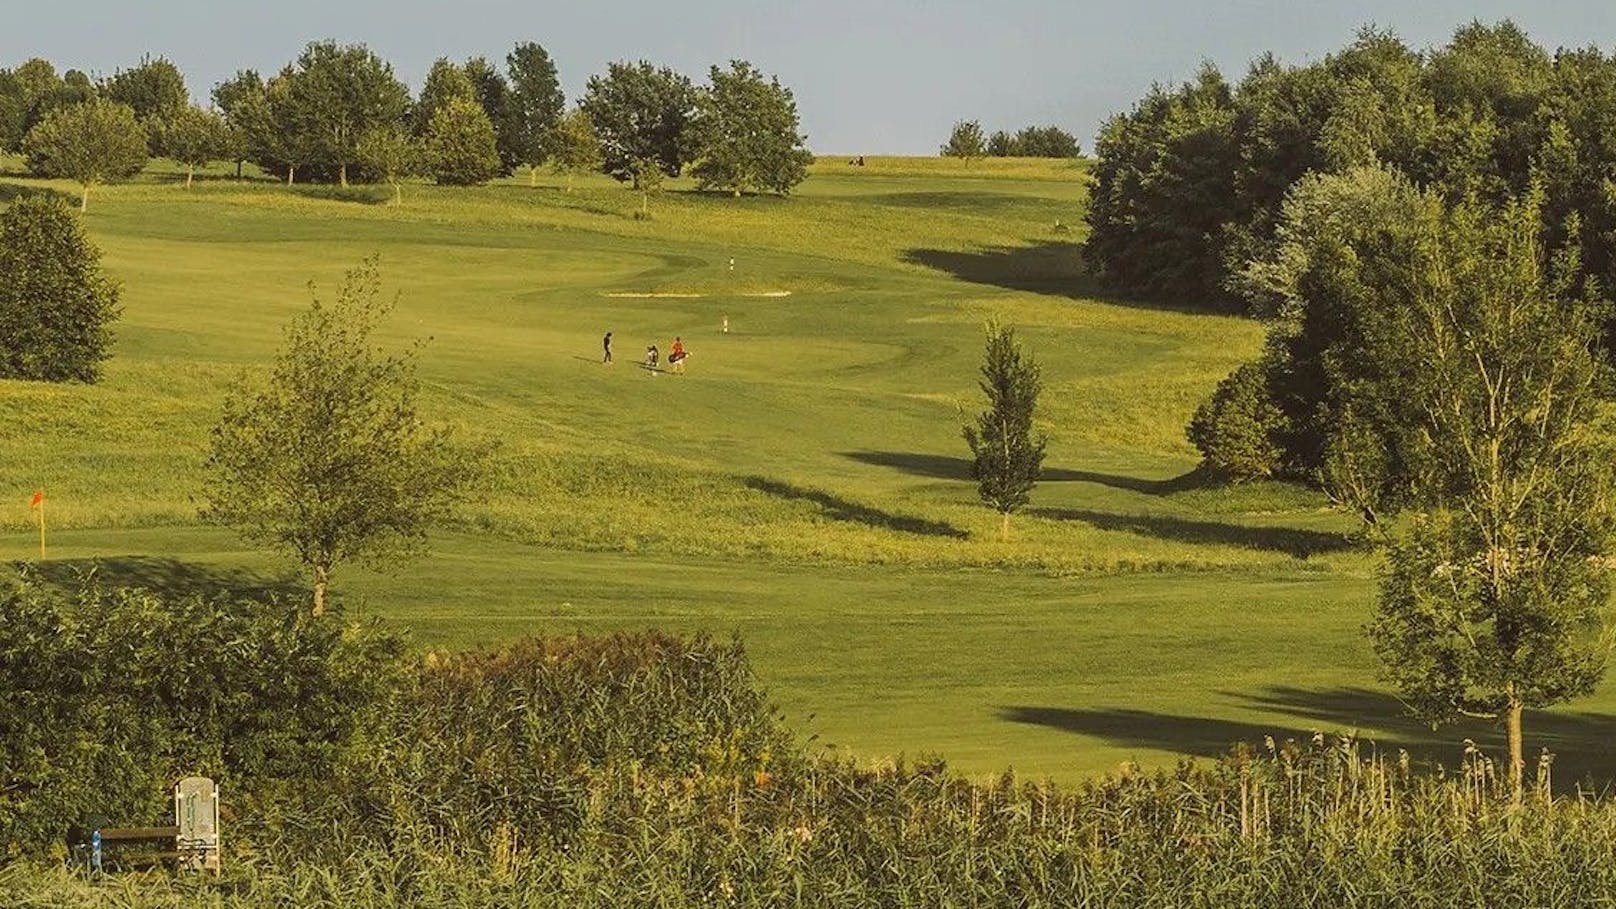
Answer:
(167, 577)
(1579, 741)
(356, 195)
(1050, 267)
(839, 509)
(11, 192)
(1290, 540)
(946, 467)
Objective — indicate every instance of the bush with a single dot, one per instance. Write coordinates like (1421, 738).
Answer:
(107, 698)
(516, 737)
(1237, 431)
(56, 307)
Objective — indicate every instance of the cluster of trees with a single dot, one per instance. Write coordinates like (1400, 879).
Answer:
(338, 112)
(1190, 184)
(1430, 237)
(968, 141)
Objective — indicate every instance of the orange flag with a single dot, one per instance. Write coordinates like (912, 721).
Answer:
(38, 499)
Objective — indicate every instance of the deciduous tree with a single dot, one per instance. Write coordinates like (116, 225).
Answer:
(641, 113)
(460, 145)
(392, 154)
(534, 108)
(89, 143)
(193, 137)
(336, 93)
(965, 141)
(744, 133)
(329, 460)
(575, 148)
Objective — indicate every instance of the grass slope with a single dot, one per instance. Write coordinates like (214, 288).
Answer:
(803, 484)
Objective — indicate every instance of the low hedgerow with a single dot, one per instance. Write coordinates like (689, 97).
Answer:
(642, 769)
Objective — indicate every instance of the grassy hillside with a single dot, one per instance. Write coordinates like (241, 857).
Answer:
(803, 484)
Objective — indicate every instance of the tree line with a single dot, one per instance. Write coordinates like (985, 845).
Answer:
(967, 140)
(339, 113)
(1431, 239)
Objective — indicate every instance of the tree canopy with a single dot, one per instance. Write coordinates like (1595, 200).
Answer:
(88, 143)
(640, 113)
(744, 134)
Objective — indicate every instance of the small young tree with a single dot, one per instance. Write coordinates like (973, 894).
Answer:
(328, 460)
(193, 137)
(574, 146)
(647, 181)
(90, 143)
(392, 154)
(1006, 458)
(460, 144)
(56, 307)
(966, 141)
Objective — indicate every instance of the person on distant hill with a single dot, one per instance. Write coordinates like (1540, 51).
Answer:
(676, 355)
(606, 347)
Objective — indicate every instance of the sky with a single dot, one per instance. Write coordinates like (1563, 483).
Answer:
(869, 76)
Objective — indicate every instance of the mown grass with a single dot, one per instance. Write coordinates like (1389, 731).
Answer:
(803, 483)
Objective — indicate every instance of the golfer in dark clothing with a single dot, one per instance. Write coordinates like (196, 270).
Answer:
(606, 345)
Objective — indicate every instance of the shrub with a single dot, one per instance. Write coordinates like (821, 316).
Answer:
(107, 697)
(56, 307)
(1237, 430)
(517, 737)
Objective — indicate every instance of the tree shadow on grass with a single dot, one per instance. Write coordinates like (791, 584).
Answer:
(11, 192)
(357, 195)
(1050, 267)
(1579, 740)
(167, 577)
(840, 509)
(946, 467)
(1292, 541)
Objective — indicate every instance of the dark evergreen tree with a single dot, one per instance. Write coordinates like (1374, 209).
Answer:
(1006, 457)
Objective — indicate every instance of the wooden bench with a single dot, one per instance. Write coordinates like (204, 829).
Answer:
(193, 840)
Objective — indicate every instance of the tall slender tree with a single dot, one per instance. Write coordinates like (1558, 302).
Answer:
(533, 110)
(1006, 456)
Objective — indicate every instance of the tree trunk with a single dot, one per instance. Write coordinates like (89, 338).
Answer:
(569, 181)
(398, 192)
(238, 171)
(1004, 527)
(1517, 758)
(342, 174)
(84, 200)
(645, 204)
(190, 172)
(291, 174)
(532, 175)
(322, 578)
